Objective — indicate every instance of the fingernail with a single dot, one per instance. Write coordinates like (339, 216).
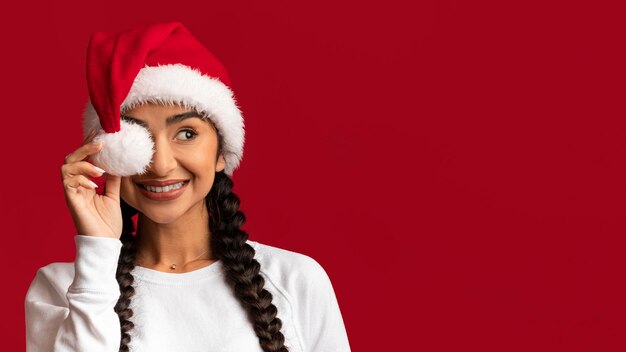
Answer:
(93, 184)
(99, 170)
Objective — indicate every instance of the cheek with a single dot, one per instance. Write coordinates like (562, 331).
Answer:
(202, 167)
(200, 163)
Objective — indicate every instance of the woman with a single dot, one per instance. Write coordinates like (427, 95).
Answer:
(162, 263)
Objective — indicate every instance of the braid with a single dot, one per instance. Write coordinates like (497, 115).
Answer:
(124, 277)
(228, 242)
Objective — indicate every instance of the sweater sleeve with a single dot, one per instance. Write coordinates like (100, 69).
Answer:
(320, 319)
(72, 309)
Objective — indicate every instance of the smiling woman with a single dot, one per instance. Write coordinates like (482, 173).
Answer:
(187, 153)
(162, 262)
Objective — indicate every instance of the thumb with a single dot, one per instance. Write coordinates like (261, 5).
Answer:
(113, 185)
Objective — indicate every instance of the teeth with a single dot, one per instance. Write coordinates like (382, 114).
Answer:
(163, 189)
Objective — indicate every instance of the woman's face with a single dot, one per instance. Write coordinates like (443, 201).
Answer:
(185, 149)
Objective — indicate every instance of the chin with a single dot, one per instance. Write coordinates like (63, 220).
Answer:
(162, 217)
(168, 213)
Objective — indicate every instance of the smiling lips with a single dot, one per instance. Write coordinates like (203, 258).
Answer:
(161, 183)
(162, 196)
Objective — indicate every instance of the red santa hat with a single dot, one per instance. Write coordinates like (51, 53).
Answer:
(159, 63)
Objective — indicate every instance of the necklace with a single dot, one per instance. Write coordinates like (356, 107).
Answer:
(173, 266)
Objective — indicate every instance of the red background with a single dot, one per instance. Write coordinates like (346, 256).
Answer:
(456, 167)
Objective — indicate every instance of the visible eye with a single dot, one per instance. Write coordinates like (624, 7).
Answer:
(188, 133)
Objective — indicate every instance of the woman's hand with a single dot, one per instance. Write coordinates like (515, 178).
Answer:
(93, 214)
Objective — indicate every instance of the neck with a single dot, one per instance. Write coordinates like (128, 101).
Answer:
(179, 242)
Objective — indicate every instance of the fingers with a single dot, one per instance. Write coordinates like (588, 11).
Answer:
(86, 149)
(76, 174)
(80, 168)
(113, 183)
(76, 170)
(83, 152)
(74, 182)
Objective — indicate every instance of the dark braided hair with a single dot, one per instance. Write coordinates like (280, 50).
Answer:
(242, 270)
(228, 243)
(125, 265)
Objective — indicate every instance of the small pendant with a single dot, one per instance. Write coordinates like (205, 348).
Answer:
(173, 267)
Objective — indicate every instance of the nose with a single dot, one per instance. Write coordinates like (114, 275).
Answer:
(163, 159)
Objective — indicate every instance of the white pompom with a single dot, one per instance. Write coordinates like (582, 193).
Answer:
(125, 153)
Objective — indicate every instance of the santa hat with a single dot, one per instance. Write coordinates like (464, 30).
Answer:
(159, 63)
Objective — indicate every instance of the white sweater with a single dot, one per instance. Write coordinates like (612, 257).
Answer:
(69, 306)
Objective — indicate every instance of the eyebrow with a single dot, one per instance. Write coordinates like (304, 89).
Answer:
(168, 122)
